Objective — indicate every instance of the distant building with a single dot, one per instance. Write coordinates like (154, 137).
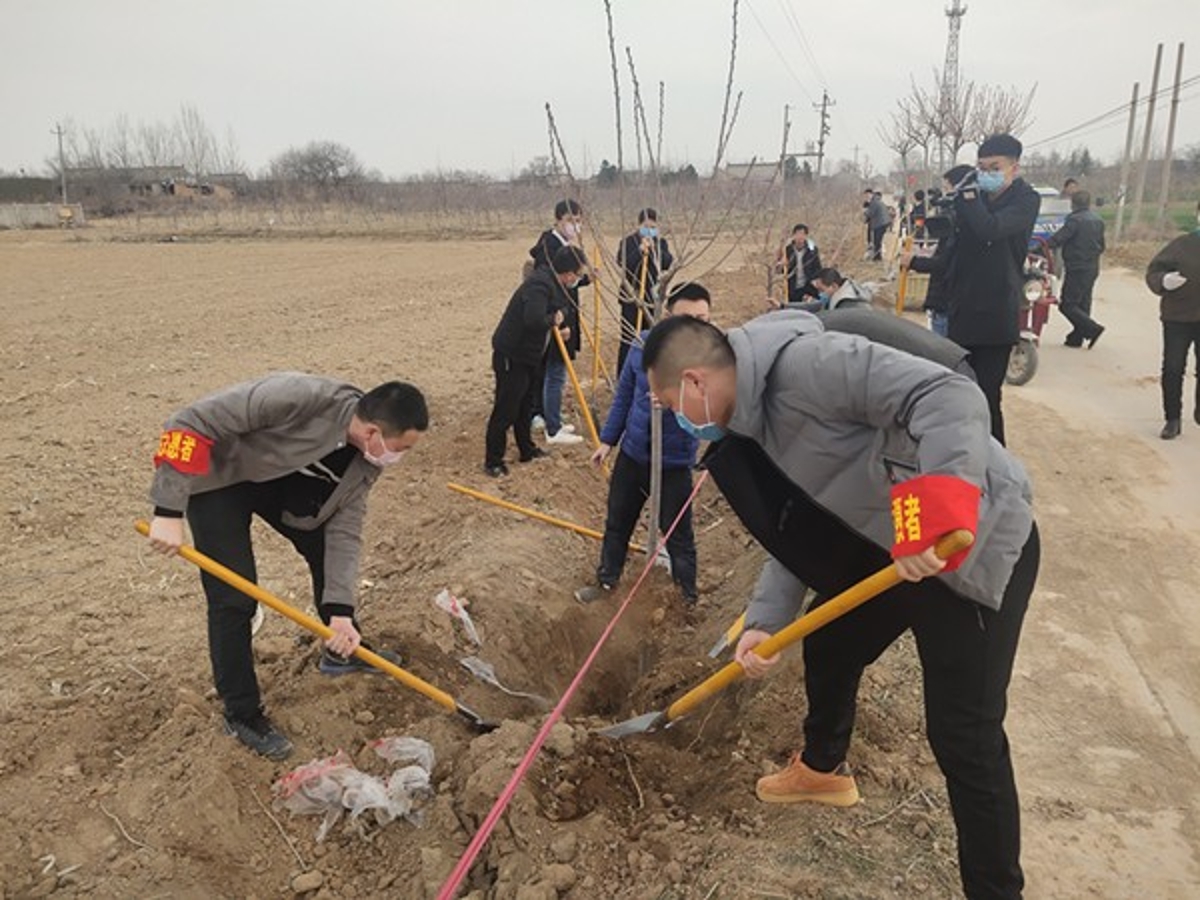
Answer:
(752, 171)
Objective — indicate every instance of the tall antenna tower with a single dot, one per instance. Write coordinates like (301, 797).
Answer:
(954, 13)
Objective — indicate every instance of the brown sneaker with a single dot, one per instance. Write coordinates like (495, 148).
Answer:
(800, 784)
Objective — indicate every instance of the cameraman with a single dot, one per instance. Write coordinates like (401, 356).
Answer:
(995, 216)
(941, 227)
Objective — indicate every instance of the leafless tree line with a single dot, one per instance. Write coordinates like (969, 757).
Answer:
(928, 130)
(186, 142)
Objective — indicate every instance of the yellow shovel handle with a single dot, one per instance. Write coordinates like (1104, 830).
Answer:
(316, 626)
(870, 587)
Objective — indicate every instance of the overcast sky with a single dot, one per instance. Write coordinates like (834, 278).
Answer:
(414, 86)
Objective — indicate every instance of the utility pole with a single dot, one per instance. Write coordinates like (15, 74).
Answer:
(1123, 190)
(783, 157)
(1144, 162)
(823, 106)
(62, 166)
(856, 149)
(1169, 152)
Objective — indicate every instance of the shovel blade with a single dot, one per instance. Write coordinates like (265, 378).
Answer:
(643, 724)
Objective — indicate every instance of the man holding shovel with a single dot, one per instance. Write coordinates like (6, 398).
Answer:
(839, 455)
(301, 452)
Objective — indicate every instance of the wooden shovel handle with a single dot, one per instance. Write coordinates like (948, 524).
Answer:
(316, 626)
(856, 595)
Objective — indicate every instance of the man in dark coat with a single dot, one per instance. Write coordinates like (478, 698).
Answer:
(937, 266)
(552, 376)
(995, 217)
(800, 262)
(1082, 240)
(643, 256)
(1174, 274)
(518, 346)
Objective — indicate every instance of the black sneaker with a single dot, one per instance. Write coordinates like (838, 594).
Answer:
(333, 665)
(1091, 342)
(537, 453)
(260, 736)
(1170, 430)
(496, 471)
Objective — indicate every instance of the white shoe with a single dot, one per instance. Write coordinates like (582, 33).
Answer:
(538, 424)
(563, 437)
(569, 429)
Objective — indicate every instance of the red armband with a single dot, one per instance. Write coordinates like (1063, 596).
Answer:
(184, 450)
(928, 507)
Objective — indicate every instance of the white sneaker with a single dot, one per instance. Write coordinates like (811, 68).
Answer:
(563, 437)
(538, 424)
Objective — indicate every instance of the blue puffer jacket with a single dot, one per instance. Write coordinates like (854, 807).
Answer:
(629, 420)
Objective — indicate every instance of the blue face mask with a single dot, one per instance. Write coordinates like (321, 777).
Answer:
(709, 431)
(990, 182)
(647, 232)
(824, 298)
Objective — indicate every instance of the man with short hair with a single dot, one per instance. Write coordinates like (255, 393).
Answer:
(878, 220)
(1082, 241)
(629, 424)
(552, 375)
(301, 452)
(841, 456)
(834, 291)
(995, 217)
(519, 344)
(643, 256)
(800, 262)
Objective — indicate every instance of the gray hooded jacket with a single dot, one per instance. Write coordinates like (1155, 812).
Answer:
(845, 419)
(266, 429)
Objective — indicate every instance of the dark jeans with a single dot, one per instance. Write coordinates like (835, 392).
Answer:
(220, 523)
(628, 490)
(966, 653)
(990, 364)
(1178, 339)
(877, 241)
(512, 408)
(1076, 304)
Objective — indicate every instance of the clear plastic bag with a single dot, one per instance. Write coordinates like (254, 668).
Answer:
(447, 602)
(333, 785)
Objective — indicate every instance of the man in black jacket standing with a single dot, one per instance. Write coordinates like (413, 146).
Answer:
(518, 345)
(1082, 240)
(643, 256)
(995, 217)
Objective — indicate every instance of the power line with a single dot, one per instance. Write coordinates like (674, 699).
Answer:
(783, 59)
(790, 15)
(1116, 112)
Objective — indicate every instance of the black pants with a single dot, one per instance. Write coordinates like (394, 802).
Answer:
(877, 241)
(628, 491)
(966, 653)
(1076, 304)
(990, 364)
(1178, 339)
(513, 408)
(220, 523)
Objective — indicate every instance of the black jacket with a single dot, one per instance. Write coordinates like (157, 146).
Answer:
(629, 258)
(810, 267)
(524, 329)
(987, 272)
(542, 253)
(1081, 238)
(937, 267)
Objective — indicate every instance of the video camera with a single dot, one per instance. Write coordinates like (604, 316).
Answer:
(946, 201)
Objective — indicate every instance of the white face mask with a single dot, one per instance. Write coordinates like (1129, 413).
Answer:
(384, 459)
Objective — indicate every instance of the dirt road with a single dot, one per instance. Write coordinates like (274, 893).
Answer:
(1106, 696)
